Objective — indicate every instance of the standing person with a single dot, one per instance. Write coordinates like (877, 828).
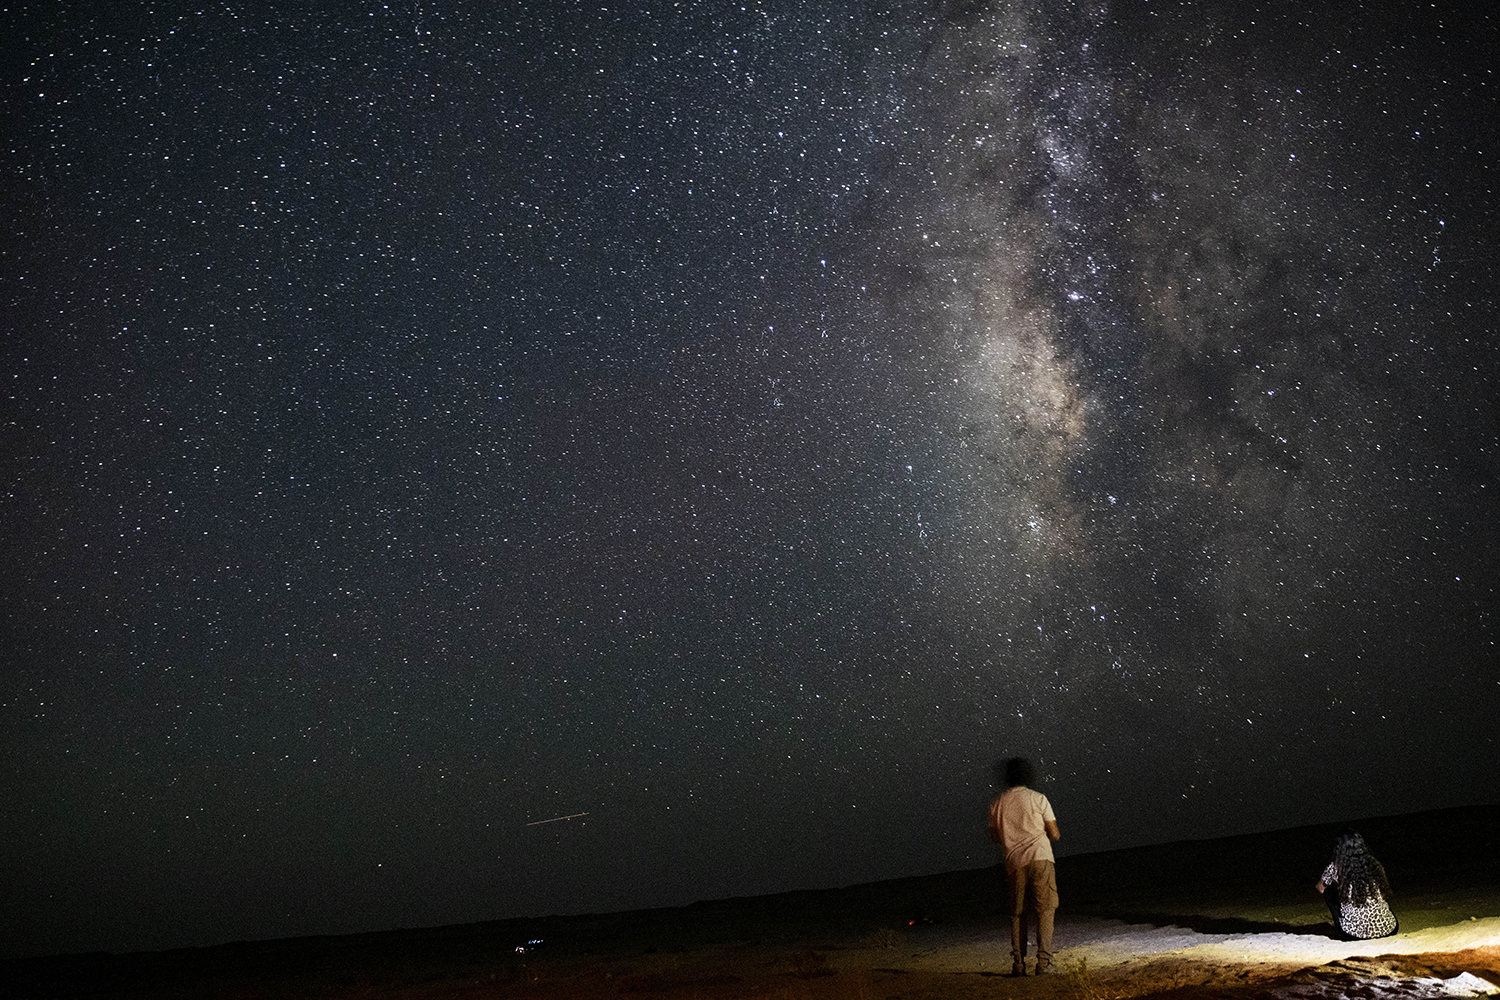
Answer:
(1022, 821)
(1355, 888)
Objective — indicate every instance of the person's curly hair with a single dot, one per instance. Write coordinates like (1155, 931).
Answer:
(1018, 771)
(1359, 871)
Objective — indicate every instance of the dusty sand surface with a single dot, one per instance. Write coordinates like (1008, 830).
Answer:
(1227, 918)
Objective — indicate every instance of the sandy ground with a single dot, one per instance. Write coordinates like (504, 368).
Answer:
(1246, 924)
(1095, 959)
(1106, 958)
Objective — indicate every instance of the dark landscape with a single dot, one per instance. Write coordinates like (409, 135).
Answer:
(1228, 917)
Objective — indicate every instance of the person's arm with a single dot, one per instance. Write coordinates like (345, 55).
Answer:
(1321, 888)
(1050, 825)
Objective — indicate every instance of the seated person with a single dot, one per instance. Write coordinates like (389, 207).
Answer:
(1355, 888)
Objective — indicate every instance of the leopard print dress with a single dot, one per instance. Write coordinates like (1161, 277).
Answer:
(1371, 919)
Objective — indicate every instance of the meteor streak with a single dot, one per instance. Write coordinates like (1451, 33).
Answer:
(554, 819)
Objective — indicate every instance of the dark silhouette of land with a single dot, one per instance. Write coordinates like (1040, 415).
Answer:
(938, 935)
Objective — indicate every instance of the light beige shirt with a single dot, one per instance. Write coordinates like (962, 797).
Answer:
(1020, 815)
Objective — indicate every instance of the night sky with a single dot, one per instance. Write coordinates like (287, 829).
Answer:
(735, 426)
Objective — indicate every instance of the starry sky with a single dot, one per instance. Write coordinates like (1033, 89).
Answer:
(734, 426)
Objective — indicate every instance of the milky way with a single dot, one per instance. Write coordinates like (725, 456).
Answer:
(732, 430)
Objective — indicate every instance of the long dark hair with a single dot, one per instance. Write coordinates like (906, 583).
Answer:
(1359, 872)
